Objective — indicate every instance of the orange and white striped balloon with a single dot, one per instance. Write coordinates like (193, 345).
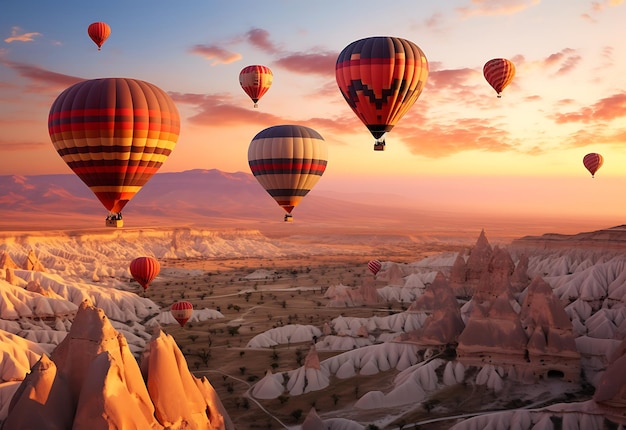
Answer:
(256, 80)
(181, 311)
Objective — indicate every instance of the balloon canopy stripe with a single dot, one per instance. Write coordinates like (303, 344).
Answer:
(289, 131)
(284, 192)
(122, 150)
(278, 166)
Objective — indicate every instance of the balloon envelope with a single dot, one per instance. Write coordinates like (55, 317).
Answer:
(114, 133)
(499, 73)
(288, 160)
(381, 78)
(255, 81)
(374, 266)
(144, 270)
(99, 32)
(593, 162)
(182, 311)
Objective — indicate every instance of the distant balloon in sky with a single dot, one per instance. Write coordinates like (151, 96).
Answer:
(499, 73)
(593, 162)
(99, 32)
(182, 311)
(255, 81)
(144, 270)
(288, 160)
(381, 78)
(374, 266)
(114, 133)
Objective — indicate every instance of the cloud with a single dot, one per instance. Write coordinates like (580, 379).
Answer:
(216, 110)
(40, 75)
(12, 146)
(495, 7)
(598, 6)
(18, 36)
(452, 79)
(469, 134)
(215, 53)
(566, 60)
(604, 110)
(315, 63)
(261, 39)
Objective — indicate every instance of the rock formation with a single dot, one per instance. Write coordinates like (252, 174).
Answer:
(92, 380)
(6, 262)
(33, 263)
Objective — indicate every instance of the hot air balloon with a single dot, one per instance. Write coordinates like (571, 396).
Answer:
(380, 79)
(287, 160)
(114, 133)
(499, 72)
(374, 266)
(182, 311)
(255, 81)
(593, 162)
(99, 32)
(144, 270)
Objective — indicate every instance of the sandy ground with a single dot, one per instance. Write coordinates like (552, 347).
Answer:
(217, 348)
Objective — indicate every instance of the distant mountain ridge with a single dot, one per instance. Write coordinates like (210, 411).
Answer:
(214, 199)
(192, 196)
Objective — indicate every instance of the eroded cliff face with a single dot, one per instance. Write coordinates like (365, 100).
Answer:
(92, 380)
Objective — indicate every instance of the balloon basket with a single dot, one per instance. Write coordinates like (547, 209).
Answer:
(379, 147)
(288, 218)
(116, 223)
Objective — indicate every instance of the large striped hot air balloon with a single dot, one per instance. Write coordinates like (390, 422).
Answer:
(288, 160)
(181, 311)
(381, 78)
(144, 270)
(499, 72)
(114, 133)
(593, 162)
(99, 32)
(255, 81)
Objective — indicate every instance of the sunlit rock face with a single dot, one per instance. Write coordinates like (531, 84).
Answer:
(92, 380)
(551, 346)
(535, 339)
(479, 258)
(611, 391)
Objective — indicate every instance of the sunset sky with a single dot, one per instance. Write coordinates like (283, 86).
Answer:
(458, 147)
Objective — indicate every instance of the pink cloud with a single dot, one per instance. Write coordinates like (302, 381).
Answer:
(315, 63)
(606, 109)
(261, 39)
(215, 53)
(566, 60)
(598, 6)
(18, 36)
(464, 135)
(215, 110)
(40, 75)
(12, 146)
(452, 79)
(495, 7)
